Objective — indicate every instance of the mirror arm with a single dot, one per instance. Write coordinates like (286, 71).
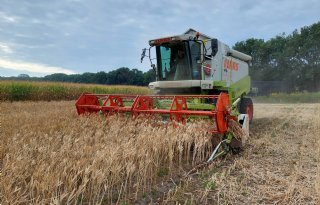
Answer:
(150, 54)
(153, 65)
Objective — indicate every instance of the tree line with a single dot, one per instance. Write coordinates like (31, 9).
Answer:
(120, 76)
(293, 59)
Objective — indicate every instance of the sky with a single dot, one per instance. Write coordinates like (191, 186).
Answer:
(41, 37)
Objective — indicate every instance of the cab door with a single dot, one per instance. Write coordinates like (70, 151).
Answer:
(196, 59)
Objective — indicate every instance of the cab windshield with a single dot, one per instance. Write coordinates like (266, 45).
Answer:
(179, 61)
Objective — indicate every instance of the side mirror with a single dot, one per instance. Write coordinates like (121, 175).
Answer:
(214, 47)
(143, 54)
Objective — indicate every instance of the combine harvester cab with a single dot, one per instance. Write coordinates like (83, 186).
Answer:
(196, 77)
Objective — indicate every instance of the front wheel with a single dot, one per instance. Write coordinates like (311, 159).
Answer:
(246, 107)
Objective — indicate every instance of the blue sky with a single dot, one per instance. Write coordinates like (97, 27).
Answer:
(40, 37)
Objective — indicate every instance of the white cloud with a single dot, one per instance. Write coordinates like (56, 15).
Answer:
(33, 67)
(5, 48)
(8, 19)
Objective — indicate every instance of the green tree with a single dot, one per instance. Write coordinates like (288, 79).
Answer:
(294, 58)
(149, 76)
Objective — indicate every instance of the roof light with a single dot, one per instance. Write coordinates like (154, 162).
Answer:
(197, 35)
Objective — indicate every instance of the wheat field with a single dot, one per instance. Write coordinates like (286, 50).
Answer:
(50, 155)
(279, 164)
(47, 91)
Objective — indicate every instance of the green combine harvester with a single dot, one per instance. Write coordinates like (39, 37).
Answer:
(196, 77)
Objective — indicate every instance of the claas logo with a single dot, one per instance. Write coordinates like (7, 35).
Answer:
(229, 64)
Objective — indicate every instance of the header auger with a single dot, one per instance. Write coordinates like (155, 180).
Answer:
(196, 77)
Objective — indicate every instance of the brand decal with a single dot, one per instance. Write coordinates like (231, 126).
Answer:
(229, 64)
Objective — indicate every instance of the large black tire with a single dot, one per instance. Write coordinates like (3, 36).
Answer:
(246, 107)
